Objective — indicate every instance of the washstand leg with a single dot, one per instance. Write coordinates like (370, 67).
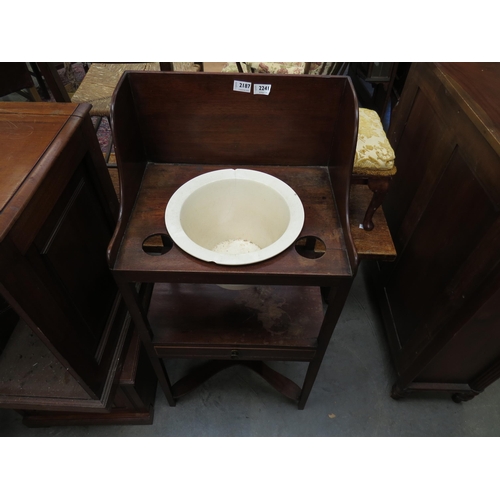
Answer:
(335, 301)
(141, 322)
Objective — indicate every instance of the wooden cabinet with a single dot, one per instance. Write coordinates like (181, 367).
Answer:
(441, 296)
(58, 211)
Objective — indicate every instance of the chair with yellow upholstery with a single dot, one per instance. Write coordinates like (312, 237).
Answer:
(374, 161)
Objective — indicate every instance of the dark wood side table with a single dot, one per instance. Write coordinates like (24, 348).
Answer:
(441, 296)
(58, 210)
(169, 128)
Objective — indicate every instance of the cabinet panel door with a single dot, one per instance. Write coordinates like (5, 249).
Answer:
(457, 217)
(74, 252)
(473, 348)
(421, 154)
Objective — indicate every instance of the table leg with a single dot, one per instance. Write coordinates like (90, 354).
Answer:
(141, 322)
(336, 301)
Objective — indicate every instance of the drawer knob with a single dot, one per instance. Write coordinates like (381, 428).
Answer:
(234, 353)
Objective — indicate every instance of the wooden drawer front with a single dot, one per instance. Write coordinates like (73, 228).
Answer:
(235, 354)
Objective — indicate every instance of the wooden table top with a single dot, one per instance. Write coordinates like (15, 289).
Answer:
(160, 182)
(27, 131)
(476, 89)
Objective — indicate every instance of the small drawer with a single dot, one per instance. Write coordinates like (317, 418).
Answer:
(235, 353)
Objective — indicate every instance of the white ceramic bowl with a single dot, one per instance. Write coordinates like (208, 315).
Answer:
(234, 217)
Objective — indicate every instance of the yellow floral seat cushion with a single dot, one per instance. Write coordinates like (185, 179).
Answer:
(374, 154)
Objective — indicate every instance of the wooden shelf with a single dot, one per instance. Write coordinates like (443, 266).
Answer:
(217, 320)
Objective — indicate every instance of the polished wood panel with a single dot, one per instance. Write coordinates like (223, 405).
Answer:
(195, 123)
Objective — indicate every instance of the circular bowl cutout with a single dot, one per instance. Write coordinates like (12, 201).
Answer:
(157, 244)
(234, 217)
(310, 247)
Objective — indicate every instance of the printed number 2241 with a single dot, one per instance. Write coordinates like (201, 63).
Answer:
(260, 88)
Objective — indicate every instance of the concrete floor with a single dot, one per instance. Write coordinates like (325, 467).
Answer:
(350, 397)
